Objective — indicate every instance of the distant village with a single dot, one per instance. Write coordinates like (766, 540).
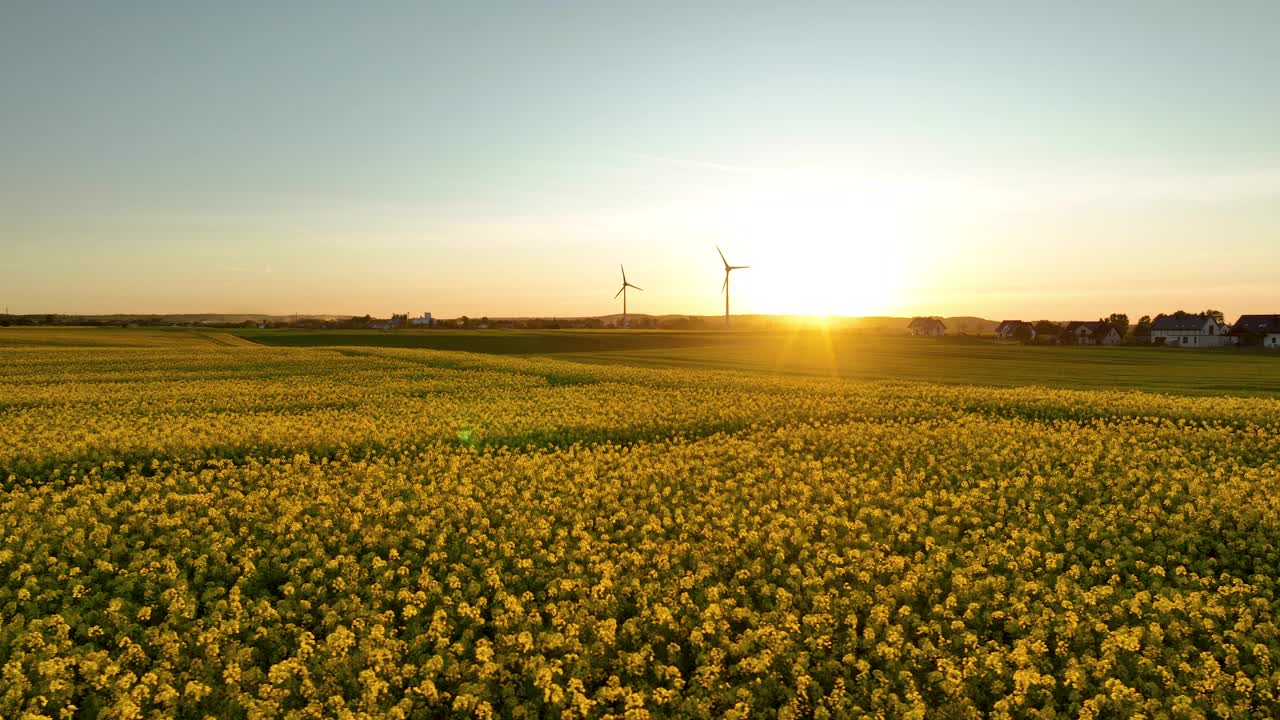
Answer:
(1179, 329)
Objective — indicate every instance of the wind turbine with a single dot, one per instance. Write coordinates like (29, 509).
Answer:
(725, 288)
(623, 293)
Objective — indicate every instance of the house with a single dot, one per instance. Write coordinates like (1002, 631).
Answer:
(424, 321)
(1078, 332)
(1187, 330)
(1019, 330)
(927, 327)
(1005, 329)
(1257, 331)
(1084, 332)
(1107, 335)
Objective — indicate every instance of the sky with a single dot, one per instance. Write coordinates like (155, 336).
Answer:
(1001, 159)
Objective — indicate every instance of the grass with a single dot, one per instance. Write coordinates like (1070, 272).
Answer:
(852, 355)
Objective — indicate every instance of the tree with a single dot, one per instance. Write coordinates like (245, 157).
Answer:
(1044, 327)
(1144, 326)
(1120, 322)
(1023, 333)
(1216, 315)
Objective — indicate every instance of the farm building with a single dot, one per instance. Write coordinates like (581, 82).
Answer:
(927, 327)
(1084, 332)
(1188, 330)
(424, 321)
(1257, 331)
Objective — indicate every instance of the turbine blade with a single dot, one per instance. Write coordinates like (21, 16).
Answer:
(740, 267)
(615, 295)
(726, 262)
(726, 283)
(624, 273)
(636, 287)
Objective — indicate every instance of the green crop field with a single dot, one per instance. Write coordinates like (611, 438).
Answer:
(633, 525)
(848, 354)
(498, 342)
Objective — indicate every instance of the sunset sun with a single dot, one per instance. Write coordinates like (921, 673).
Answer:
(820, 245)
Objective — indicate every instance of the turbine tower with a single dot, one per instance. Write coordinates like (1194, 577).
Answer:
(623, 293)
(725, 288)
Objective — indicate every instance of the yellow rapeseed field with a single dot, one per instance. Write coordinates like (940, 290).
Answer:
(243, 532)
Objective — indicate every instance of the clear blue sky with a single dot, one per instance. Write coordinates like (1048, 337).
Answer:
(1005, 159)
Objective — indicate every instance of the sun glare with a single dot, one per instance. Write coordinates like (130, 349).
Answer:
(819, 246)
